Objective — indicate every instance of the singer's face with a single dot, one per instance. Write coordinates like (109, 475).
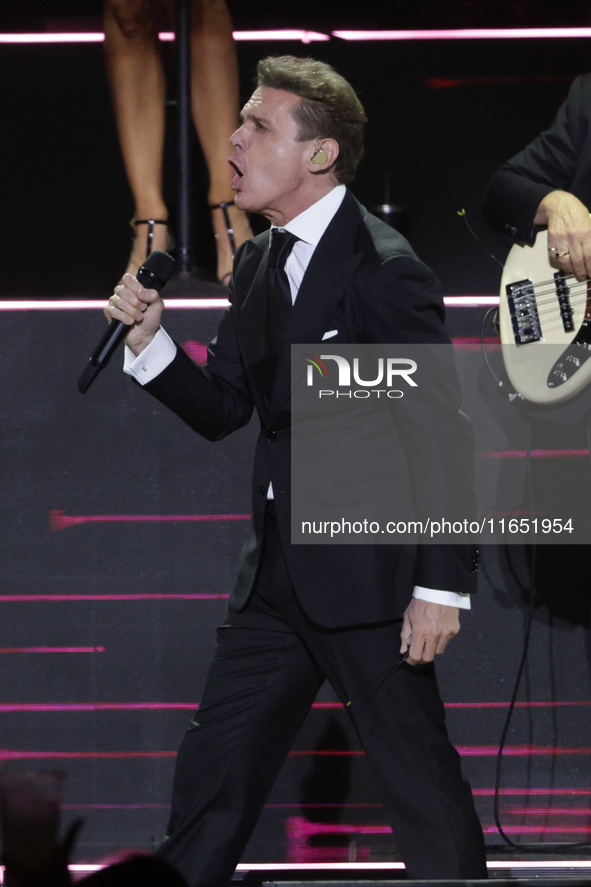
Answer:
(271, 164)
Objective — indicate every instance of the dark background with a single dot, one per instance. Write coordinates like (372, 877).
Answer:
(115, 452)
(442, 116)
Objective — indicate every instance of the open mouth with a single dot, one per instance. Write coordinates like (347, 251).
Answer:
(239, 174)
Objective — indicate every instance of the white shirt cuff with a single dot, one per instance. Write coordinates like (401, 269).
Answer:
(437, 596)
(154, 358)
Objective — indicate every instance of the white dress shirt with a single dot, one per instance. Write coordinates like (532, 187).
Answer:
(309, 227)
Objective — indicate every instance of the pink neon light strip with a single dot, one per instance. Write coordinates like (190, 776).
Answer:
(59, 520)
(7, 755)
(539, 830)
(470, 301)
(198, 304)
(301, 828)
(52, 649)
(517, 704)
(517, 811)
(191, 706)
(304, 828)
(277, 34)
(166, 36)
(61, 598)
(99, 304)
(464, 750)
(148, 806)
(532, 792)
(6, 707)
(311, 36)
(466, 34)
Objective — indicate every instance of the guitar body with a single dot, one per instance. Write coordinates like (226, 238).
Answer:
(545, 326)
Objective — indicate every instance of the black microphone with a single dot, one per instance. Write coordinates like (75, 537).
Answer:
(153, 274)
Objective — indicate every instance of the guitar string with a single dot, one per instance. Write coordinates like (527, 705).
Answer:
(574, 303)
(549, 297)
(581, 287)
(554, 280)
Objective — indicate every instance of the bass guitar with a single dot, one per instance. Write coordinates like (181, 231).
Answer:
(545, 325)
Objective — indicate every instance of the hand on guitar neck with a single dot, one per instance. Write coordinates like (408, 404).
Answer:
(569, 232)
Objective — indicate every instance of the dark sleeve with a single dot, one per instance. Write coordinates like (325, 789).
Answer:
(407, 307)
(214, 400)
(548, 163)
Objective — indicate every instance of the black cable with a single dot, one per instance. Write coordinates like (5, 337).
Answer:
(530, 848)
(464, 215)
(499, 382)
(520, 670)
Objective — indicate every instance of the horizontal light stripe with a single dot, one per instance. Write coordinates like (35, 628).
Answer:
(52, 649)
(282, 34)
(99, 304)
(58, 520)
(305, 36)
(300, 34)
(466, 34)
(7, 707)
(515, 811)
(464, 750)
(64, 598)
(182, 304)
(470, 301)
(67, 37)
(540, 830)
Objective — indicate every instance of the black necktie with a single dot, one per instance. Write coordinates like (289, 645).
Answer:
(278, 299)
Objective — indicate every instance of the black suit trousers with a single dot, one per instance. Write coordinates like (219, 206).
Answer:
(268, 667)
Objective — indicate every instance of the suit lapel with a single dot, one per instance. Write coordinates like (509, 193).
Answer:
(330, 270)
(250, 327)
(251, 314)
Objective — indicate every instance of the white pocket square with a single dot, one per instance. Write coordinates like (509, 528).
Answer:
(330, 334)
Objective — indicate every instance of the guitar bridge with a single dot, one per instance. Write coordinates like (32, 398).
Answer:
(524, 312)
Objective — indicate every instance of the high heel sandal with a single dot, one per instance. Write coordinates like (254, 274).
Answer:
(151, 223)
(225, 278)
(236, 236)
(229, 229)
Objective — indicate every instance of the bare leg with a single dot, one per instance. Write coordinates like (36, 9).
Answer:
(136, 74)
(215, 114)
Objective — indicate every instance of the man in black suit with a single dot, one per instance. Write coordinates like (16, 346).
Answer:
(548, 183)
(301, 614)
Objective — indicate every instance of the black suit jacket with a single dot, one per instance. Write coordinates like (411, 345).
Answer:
(365, 281)
(559, 158)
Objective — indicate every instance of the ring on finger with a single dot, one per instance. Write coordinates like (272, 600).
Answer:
(552, 249)
(562, 255)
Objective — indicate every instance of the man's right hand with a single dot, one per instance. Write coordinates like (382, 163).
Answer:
(569, 232)
(139, 308)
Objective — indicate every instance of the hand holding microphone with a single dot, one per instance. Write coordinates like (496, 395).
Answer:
(134, 310)
(139, 309)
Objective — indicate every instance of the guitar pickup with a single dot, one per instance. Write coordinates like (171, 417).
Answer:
(563, 295)
(523, 309)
